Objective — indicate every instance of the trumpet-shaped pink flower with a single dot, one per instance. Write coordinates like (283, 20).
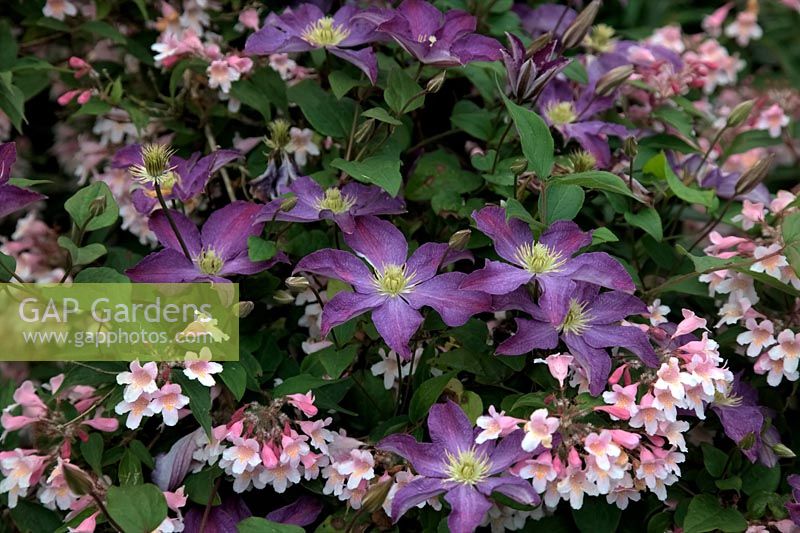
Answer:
(539, 430)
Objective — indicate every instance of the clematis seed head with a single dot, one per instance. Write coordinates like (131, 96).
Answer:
(155, 167)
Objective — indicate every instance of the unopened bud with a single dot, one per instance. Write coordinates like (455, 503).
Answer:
(436, 82)
(630, 147)
(297, 284)
(781, 450)
(740, 113)
(519, 166)
(242, 309)
(580, 26)
(283, 297)
(98, 206)
(376, 495)
(289, 203)
(612, 80)
(364, 130)
(459, 240)
(538, 43)
(754, 175)
(79, 482)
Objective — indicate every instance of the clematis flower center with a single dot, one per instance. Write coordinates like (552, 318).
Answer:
(577, 319)
(209, 262)
(561, 113)
(323, 32)
(155, 167)
(335, 201)
(467, 467)
(538, 258)
(393, 280)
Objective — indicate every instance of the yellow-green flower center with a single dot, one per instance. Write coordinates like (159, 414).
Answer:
(333, 200)
(393, 281)
(209, 262)
(538, 258)
(467, 467)
(324, 33)
(582, 161)
(155, 167)
(601, 38)
(576, 319)
(561, 113)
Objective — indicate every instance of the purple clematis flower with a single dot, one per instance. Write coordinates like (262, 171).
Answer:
(302, 512)
(588, 321)
(193, 174)
(12, 198)
(307, 27)
(545, 18)
(528, 75)
(443, 40)
(395, 287)
(221, 518)
(547, 260)
(341, 205)
(219, 250)
(453, 465)
(794, 506)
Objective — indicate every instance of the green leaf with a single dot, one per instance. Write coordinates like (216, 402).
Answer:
(259, 249)
(514, 209)
(401, 92)
(731, 483)
(83, 255)
(31, 517)
(647, 219)
(262, 525)
(12, 100)
(659, 167)
(130, 469)
(472, 404)
(576, 72)
(8, 46)
(100, 275)
(381, 115)
(200, 485)
(596, 516)
(326, 114)
(758, 478)
(534, 134)
(92, 452)
(382, 170)
(103, 29)
(706, 514)
(8, 265)
(440, 173)
(426, 395)
(597, 180)
(601, 235)
(336, 361)
(714, 460)
(137, 508)
(562, 202)
(790, 231)
(341, 83)
(93, 207)
(199, 399)
(234, 376)
(475, 120)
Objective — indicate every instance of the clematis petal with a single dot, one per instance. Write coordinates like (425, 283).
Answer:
(426, 261)
(496, 278)
(378, 241)
(469, 507)
(226, 231)
(566, 237)
(595, 362)
(514, 487)
(613, 306)
(396, 322)
(530, 335)
(346, 305)
(601, 269)
(443, 294)
(339, 265)
(449, 427)
(159, 224)
(426, 458)
(554, 302)
(302, 512)
(195, 174)
(414, 493)
(507, 452)
(171, 467)
(629, 337)
(15, 198)
(476, 47)
(507, 236)
(165, 266)
(364, 59)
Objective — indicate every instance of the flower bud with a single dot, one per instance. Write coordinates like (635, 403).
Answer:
(376, 495)
(283, 297)
(538, 43)
(740, 113)
(612, 80)
(242, 309)
(98, 206)
(364, 130)
(297, 284)
(754, 175)
(630, 147)
(279, 135)
(580, 26)
(288, 204)
(436, 82)
(459, 240)
(78, 481)
(781, 450)
(519, 166)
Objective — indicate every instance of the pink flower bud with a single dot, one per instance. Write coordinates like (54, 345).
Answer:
(84, 97)
(625, 439)
(67, 97)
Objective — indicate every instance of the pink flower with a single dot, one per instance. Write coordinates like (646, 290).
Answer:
(558, 364)
(293, 447)
(22, 469)
(140, 380)
(84, 97)
(200, 367)
(102, 424)
(320, 437)
(249, 19)
(302, 145)
(788, 350)
(136, 410)
(359, 466)
(244, 454)
(221, 75)
(269, 455)
(781, 201)
(770, 261)
(59, 9)
(87, 526)
(757, 337)
(689, 323)
(67, 97)
(539, 430)
(167, 401)
(626, 439)
(712, 23)
(81, 67)
(175, 500)
(752, 213)
(304, 402)
(495, 425)
(539, 470)
(602, 448)
(744, 28)
(623, 400)
(772, 119)
(670, 378)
